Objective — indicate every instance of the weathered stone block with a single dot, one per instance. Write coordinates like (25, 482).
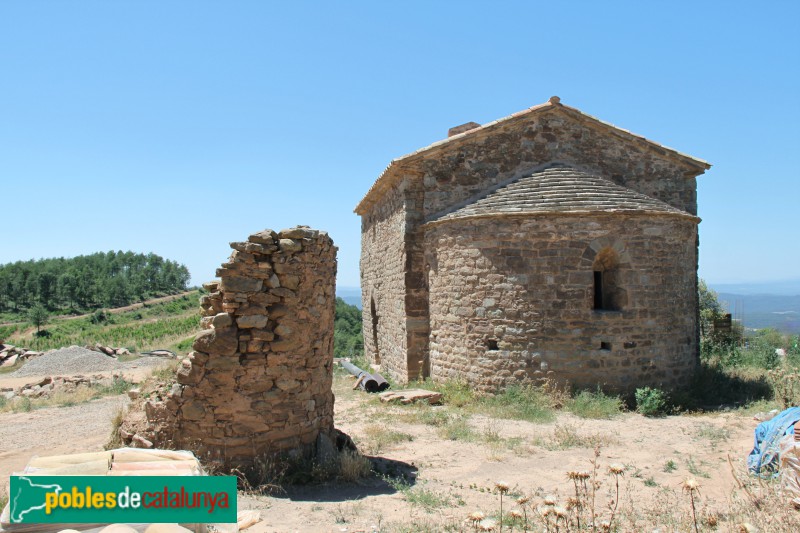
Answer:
(266, 236)
(290, 246)
(224, 363)
(189, 374)
(252, 321)
(222, 341)
(241, 284)
(302, 232)
(221, 320)
(284, 345)
(193, 410)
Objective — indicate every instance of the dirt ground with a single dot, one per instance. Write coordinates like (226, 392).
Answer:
(448, 479)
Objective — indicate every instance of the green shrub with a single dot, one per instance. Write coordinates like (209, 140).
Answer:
(588, 404)
(185, 346)
(100, 316)
(785, 383)
(457, 428)
(457, 393)
(119, 385)
(521, 402)
(651, 402)
(23, 404)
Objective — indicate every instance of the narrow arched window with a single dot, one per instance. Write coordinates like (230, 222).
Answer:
(374, 315)
(608, 295)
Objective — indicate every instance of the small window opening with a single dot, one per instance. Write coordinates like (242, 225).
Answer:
(491, 344)
(375, 326)
(598, 289)
(605, 346)
(607, 294)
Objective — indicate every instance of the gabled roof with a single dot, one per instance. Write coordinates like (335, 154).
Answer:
(559, 189)
(388, 176)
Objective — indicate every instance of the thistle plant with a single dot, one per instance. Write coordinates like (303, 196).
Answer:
(616, 471)
(502, 487)
(579, 480)
(516, 517)
(522, 502)
(691, 486)
(476, 517)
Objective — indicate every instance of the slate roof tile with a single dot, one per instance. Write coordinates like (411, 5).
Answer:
(559, 189)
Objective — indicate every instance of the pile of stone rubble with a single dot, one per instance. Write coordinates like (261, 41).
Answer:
(46, 386)
(108, 350)
(11, 355)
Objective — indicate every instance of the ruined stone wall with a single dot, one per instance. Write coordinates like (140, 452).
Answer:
(526, 284)
(453, 174)
(383, 260)
(259, 379)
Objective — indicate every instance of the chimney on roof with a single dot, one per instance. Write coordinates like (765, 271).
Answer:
(458, 130)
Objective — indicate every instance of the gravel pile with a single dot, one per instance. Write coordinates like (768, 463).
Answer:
(66, 361)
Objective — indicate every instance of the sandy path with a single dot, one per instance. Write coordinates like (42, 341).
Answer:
(84, 427)
(462, 473)
(135, 373)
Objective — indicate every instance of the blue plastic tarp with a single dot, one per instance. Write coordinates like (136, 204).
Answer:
(763, 460)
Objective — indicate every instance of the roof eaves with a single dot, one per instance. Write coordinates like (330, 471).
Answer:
(554, 102)
(705, 165)
(549, 214)
(360, 208)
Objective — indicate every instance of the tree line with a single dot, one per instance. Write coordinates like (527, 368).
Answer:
(347, 340)
(110, 279)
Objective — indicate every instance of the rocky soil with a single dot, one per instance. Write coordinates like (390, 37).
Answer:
(451, 477)
(77, 360)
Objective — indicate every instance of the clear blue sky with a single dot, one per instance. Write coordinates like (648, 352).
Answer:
(176, 127)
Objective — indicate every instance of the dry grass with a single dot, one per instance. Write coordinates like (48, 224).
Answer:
(12, 368)
(379, 437)
(62, 397)
(566, 436)
(115, 441)
(605, 499)
(3, 497)
(353, 466)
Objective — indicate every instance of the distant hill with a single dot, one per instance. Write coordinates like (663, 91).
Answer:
(765, 310)
(764, 305)
(789, 287)
(351, 295)
(773, 304)
(88, 282)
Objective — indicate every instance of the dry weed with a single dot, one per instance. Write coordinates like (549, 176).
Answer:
(566, 436)
(353, 466)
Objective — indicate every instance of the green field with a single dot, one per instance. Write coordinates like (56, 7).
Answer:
(170, 325)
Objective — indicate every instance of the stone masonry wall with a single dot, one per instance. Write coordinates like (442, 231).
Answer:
(446, 177)
(259, 379)
(383, 259)
(476, 163)
(526, 284)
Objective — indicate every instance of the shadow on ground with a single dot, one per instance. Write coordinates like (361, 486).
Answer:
(387, 474)
(715, 389)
